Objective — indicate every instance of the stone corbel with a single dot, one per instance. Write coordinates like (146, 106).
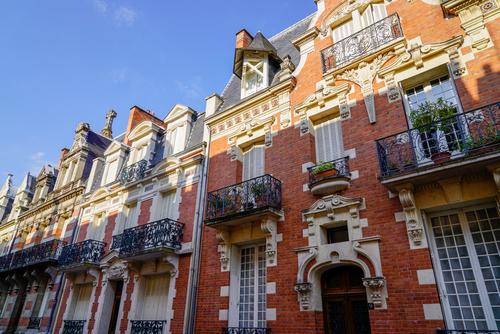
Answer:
(458, 68)
(95, 274)
(345, 111)
(268, 136)
(414, 224)
(223, 248)
(304, 125)
(375, 287)
(393, 93)
(269, 227)
(304, 291)
(234, 153)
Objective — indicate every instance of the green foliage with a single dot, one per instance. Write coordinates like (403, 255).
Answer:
(322, 166)
(258, 189)
(433, 115)
(489, 136)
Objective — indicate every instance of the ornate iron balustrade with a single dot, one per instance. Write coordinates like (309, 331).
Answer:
(147, 326)
(329, 169)
(467, 134)
(44, 252)
(362, 43)
(466, 331)
(5, 262)
(260, 193)
(117, 241)
(247, 330)
(133, 172)
(73, 326)
(34, 323)
(85, 252)
(164, 233)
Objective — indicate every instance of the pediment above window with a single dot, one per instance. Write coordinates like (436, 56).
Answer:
(143, 129)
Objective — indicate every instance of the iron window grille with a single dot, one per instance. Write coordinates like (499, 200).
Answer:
(73, 326)
(147, 326)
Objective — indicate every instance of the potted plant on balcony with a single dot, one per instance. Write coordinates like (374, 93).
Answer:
(324, 170)
(431, 117)
(259, 193)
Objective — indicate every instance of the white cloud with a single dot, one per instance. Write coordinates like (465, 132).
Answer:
(101, 6)
(124, 16)
(191, 89)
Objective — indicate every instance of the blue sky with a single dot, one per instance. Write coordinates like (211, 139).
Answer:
(63, 62)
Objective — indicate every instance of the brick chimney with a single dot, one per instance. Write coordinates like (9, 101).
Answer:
(243, 39)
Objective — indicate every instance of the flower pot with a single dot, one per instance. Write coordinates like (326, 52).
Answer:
(441, 157)
(326, 173)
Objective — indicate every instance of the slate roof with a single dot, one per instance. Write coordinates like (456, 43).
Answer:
(196, 135)
(282, 43)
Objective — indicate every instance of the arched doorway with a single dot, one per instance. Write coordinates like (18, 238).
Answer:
(345, 307)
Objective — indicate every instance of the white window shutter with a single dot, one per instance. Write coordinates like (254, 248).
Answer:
(329, 144)
(82, 295)
(379, 12)
(155, 298)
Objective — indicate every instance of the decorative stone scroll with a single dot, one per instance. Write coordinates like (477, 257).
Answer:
(269, 227)
(223, 248)
(414, 226)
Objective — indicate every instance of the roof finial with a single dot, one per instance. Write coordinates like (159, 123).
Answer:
(107, 131)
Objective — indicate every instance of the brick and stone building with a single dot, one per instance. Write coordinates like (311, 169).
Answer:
(333, 206)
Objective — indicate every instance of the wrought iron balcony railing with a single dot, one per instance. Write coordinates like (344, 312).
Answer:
(134, 172)
(472, 133)
(147, 326)
(164, 233)
(45, 252)
(466, 331)
(34, 323)
(117, 241)
(247, 330)
(362, 43)
(260, 193)
(73, 326)
(88, 252)
(5, 262)
(328, 170)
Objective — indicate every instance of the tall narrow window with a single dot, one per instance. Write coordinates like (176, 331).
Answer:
(466, 246)
(112, 171)
(343, 31)
(166, 205)
(254, 76)
(97, 228)
(253, 162)
(81, 301)
(252, 299)
(329, 143)
(372, 14)
(154, 298)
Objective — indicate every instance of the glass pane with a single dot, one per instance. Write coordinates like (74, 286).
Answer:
(459, 279)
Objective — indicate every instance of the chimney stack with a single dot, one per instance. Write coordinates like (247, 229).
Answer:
(243, 39)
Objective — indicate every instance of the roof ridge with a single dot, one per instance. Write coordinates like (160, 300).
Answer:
(276, 36)
(228, 83)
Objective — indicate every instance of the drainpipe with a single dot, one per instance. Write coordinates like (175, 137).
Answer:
(194, 270)
(62, 281)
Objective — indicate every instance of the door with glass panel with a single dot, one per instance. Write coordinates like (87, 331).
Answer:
(442, 136)
(252, 290)
(466, 249)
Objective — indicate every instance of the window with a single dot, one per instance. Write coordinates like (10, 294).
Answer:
(154, 298)
(253, 162)
(81, 301)
(372, 14)
(435, 140)
(329, 144)
(359, 21)
(252, 293)
(166, 205)
(131, 214)
(254, 76)
(337, 234)
(466, 244)
(112, 171)
(97, 228)
(172, 141)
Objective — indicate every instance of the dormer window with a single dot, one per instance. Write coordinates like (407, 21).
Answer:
(254, 76)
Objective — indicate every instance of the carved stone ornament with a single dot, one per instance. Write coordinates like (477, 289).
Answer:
(363, 76)
(304, 295)
(458, 68)
(80, 136)
(223, 249)
(287, 68)
(375, 286)
(107, 131)
(393, 93)
(269, 227)
(325, 93)
(414, 225)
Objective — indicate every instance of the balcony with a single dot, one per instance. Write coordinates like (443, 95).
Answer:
(116, 242)
(134, 172)
(5, 262)
(44, 253)
(466, 140)
(147, 326)
(329, 177)
(73, 326)
(244, 200)
(34, 323)
(361, 44)
(466, 331)
(81, 255)
(151, 240)
(239, 330)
